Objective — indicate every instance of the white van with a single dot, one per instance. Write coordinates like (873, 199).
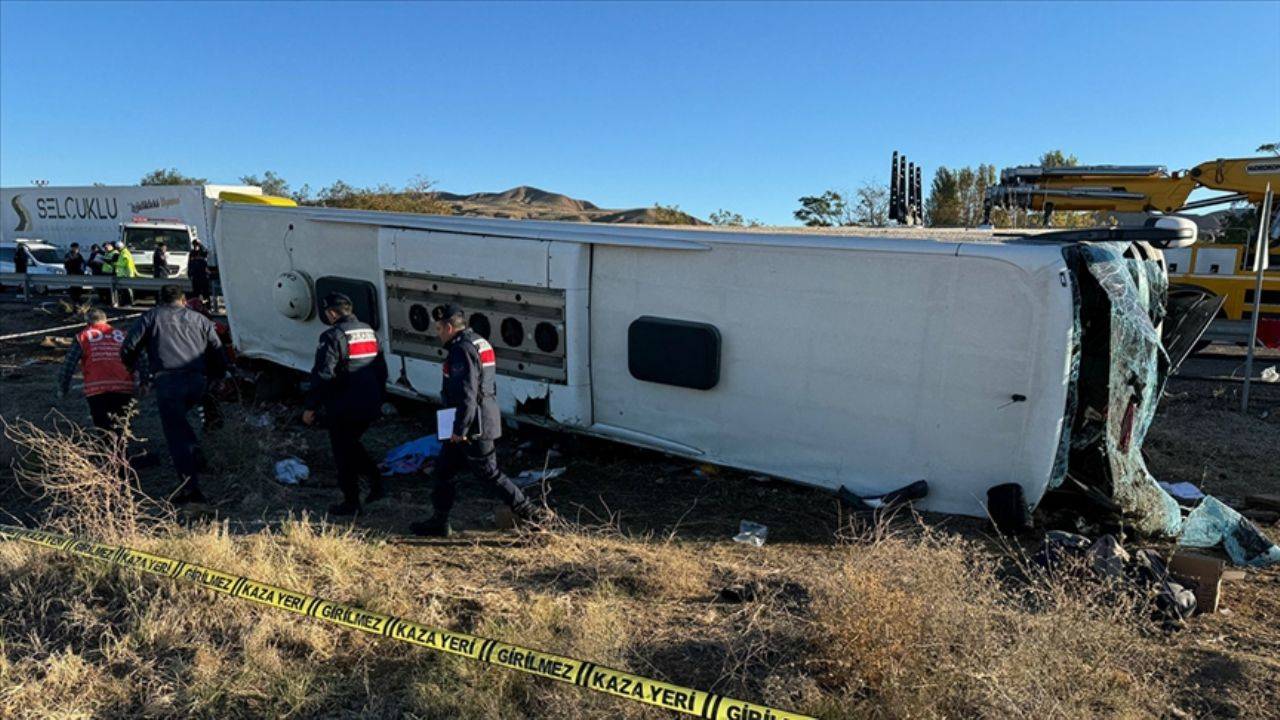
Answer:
(42, 259)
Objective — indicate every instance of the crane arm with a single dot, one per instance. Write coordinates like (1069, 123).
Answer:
(1132, 188)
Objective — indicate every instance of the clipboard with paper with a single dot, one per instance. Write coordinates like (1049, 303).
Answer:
(444, 422)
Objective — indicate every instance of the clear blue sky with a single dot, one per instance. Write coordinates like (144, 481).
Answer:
(740, 106)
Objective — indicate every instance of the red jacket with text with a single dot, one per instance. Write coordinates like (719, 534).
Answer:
(100, 360)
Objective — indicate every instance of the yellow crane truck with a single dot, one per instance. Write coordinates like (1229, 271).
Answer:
(1223, 269)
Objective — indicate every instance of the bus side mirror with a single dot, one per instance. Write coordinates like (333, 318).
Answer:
(1183, 231)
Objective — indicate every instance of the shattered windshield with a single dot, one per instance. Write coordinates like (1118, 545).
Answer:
(1124, 301)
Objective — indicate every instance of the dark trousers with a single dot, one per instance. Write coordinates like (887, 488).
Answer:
(108, 410)
(201, 287)
(176, 394)
(351, 459)
(482, 457)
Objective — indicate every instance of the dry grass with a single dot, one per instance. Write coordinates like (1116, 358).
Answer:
(83, 477)
(895, 621)
(906, 624)
(926, 625)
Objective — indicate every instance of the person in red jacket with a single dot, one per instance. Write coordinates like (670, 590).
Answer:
(108, 384)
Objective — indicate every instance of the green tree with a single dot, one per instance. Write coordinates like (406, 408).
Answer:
(971, 193)
(727, 218)
(1056, 158)
(271, 183)
(415, 197)
(170, 177)
(671, 215)
(825, 210)
(944, 207)
(1273, 148)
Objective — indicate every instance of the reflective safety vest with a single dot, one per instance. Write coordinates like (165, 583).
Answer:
(104, 372)
(124, 264)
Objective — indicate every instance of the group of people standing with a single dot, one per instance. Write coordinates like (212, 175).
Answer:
(115, 258)
(175, 352)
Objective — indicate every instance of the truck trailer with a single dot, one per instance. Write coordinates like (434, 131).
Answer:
(861, 364)
(138, 215)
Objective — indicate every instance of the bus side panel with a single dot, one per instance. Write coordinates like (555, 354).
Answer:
(866, 369)
(257, 246)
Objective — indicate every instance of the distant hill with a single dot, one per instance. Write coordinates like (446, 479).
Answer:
(530, 203)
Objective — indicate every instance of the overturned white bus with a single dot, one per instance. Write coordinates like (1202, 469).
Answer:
(860, 363)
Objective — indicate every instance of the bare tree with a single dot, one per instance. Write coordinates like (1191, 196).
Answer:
(872, 206)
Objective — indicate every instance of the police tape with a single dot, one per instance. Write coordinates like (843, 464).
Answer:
(581, 673)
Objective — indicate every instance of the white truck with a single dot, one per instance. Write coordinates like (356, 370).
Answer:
(138, 215)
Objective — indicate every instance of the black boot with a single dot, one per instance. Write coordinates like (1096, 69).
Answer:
(529, 513)
(376, 492)
(435, 526)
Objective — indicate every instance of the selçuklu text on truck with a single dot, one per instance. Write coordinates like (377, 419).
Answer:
(138, 215)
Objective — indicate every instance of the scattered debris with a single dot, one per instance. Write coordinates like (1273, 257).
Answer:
(1183, 492)
(1173, 601)
(1212, 524)
(389, 410)
(534, 477)
(1270, 375)
(408, 458)
(1106, 560)
(739, 593)
(292, 471)
(1203, 574)
(706, 471)
(914, 491)
(1058, 547)
(261, 420)
(52, 341)
(751, 533)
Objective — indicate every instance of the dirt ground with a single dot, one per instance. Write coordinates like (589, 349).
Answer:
(1224, 662)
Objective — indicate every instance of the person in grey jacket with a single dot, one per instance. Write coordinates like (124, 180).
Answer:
(470, 373)
(182, 348)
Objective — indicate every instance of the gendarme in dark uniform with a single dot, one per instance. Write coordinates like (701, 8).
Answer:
(347, 382)
(469, 386)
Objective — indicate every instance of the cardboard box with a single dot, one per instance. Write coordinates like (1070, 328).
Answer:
(1202, 572)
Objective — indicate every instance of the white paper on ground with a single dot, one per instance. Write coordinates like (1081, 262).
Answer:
(444, 423)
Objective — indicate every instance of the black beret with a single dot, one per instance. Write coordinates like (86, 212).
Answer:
(447, 311)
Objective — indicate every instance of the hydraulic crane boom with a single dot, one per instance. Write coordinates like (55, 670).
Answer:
(1131, 188)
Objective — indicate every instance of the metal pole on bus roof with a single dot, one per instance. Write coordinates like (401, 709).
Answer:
(1261, 259)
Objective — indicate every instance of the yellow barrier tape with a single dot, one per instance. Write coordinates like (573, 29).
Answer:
(582, 673)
